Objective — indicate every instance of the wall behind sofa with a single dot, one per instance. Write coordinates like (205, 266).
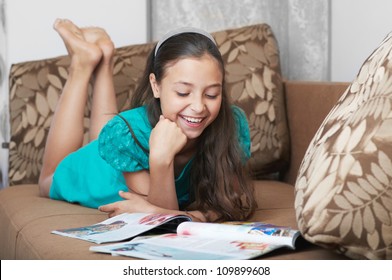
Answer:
(357, 28)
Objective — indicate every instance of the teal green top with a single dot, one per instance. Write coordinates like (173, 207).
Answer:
(93, 175)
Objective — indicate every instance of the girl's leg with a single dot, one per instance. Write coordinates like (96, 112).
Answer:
(66, 131)
(104, 103)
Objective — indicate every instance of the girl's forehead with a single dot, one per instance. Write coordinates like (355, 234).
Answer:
(204, 69)
(189, 63)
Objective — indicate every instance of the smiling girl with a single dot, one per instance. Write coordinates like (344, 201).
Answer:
(181, 148)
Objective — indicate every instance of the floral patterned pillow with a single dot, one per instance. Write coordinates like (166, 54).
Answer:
(343, 192)
(253, 81)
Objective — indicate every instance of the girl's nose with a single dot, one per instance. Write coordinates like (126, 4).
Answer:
(197, 105)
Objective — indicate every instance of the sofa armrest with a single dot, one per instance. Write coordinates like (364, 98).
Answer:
(307, 104)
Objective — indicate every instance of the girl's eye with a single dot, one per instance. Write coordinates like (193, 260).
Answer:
(182, 94)
(212, 96)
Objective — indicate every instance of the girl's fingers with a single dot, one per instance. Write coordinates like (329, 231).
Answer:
(125, 195)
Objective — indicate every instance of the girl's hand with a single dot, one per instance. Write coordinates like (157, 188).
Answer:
(133, 203)
(166, 139)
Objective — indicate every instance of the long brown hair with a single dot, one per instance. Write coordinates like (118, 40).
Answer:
(219, 177)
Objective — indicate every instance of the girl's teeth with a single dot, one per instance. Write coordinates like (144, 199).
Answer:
(193, 120)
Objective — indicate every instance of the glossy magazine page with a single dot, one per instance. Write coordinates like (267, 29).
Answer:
(124, 226)
(202, 241)
(244, 231)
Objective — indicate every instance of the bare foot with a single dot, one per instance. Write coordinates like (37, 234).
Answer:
(84, 54)
(99, 37)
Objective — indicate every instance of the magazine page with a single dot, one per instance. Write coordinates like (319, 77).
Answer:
(124, 226)
(185, 247)
(242, 231)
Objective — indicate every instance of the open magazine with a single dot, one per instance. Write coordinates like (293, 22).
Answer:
(124, 227)
(159, 236)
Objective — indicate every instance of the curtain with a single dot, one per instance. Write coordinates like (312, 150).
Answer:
(300, 26)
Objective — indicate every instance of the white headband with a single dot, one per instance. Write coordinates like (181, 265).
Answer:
(180, 31)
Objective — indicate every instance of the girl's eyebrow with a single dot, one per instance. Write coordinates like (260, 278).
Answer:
(191, 85)
(183, 83)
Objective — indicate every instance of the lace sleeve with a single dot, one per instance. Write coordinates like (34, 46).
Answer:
(118, 147)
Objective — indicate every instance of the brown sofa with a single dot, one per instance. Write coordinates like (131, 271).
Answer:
(27, 219)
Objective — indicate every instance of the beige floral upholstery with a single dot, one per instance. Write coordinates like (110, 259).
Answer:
(344, 186)
(254, 82)
(253, 78)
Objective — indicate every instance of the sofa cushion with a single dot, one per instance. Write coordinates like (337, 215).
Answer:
(253, 78)
(343, 192)
(254, 82)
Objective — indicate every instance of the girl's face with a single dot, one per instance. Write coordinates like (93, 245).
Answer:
(190, 93)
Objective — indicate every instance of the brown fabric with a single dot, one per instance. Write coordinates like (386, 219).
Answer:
(307, 104)
(28, 219)
(36, 242)
(343, 191)
(21, 206)
(253, 82)
(273, 195)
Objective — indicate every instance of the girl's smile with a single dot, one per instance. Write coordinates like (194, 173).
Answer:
(192, 121)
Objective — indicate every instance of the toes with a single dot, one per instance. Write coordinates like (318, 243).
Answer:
(67, 29)
(60, 21)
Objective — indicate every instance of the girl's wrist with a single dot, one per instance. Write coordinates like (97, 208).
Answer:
(160, 159)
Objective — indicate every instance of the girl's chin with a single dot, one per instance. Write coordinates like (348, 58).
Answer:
(192, 135)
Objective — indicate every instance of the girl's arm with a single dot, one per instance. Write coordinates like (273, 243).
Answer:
(158, 185)
(162, 191)
(166, 141)
(136, 203)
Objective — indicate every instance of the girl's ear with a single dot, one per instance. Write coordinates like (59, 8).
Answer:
(154, 85)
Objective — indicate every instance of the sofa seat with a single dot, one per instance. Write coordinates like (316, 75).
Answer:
(28, 234)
